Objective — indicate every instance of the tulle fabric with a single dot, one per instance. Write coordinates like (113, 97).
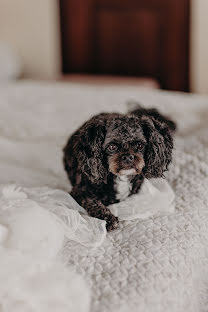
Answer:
(21, 207)
(155, 197)
(33, 229)
(18, 204)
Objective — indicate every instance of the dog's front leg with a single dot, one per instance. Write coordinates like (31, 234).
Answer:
(96, 209)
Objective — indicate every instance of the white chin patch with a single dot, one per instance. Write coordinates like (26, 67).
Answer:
(127, 171)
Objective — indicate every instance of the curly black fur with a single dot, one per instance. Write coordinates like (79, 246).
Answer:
(92, 164)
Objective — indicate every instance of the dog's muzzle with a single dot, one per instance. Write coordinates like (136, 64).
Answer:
(126, 164)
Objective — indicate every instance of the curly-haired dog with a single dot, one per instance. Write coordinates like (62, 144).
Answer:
(108, 158)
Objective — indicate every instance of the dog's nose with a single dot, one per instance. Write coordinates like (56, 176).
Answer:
(127, 158)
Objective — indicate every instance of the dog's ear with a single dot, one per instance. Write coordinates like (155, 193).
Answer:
(88, 148)
(158, 154)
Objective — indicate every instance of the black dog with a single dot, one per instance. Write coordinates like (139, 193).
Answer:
(108, 158)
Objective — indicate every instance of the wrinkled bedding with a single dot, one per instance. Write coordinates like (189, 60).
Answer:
(156, 264)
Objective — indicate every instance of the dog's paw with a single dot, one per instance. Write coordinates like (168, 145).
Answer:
(112, 223)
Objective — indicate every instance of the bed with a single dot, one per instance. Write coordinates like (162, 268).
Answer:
(157, 264)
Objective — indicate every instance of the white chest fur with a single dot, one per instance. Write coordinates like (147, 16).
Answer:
(122, 187)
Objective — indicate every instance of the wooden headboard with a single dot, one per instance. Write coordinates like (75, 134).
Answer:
(148, 38)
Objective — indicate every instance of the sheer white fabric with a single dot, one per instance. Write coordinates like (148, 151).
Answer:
(34, 225)
(25, 209)
(18, 205)
(155, 197)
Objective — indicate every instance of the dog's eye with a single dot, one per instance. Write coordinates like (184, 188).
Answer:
(139, 146)
(112, 148)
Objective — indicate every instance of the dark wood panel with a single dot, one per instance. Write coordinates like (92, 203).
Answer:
(127, 37)
(76, 35)
(122, 45)
(131, 4)
(175, 49)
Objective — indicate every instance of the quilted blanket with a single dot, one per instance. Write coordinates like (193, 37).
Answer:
(156, 264)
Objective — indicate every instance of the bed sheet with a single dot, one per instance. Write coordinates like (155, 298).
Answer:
(157, 264)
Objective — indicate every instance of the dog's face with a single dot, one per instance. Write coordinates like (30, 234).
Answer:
(124, 146)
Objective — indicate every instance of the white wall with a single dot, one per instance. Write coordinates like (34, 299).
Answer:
(199, 46)
(32, 27)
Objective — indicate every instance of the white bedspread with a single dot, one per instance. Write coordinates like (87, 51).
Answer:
(158, 264)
